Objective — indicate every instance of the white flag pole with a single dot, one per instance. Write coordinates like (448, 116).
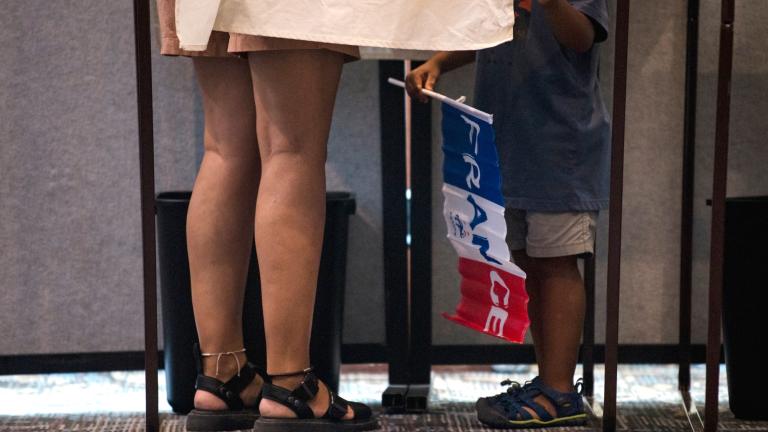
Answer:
(454, 103)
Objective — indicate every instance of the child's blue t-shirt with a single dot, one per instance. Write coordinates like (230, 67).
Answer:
(552, 128)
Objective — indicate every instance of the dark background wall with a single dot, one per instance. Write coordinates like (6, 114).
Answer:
(70, 268)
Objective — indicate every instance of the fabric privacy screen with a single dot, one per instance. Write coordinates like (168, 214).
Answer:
(404, 24)
(493, 296)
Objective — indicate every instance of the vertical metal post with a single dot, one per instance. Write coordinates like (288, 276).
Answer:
(616, 201)
(720, 176)
(588, 345)
(147, 180)
(394, 208)
(420, 185)
(686, 214)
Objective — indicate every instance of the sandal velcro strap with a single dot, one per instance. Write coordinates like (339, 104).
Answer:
(219, 389)
(550, 393)
(228, 391)
(565, 403)
(297, 399)
(287, 398)
(307, 389)
(338, 407)
(527, 401)
(240, 381)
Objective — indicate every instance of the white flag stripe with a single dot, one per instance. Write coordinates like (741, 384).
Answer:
(472, 253)
(496, 249)
(494, 236)
(486, 204)
(456, 201)
(459, 213)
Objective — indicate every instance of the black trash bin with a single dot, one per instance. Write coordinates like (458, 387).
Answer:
(179, 333)
(745, 298)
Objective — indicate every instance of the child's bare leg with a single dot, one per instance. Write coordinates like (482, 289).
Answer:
(560, 318)
(532, 287)
(556, 310)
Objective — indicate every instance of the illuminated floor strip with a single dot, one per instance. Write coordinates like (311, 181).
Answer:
(123, 392)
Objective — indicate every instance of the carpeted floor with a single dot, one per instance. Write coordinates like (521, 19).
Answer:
(447, 417)
(112, 402)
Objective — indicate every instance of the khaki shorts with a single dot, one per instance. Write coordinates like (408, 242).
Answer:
(549, 235)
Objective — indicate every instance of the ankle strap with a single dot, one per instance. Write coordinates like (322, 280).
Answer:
(229, 391)
(297, 373)
(218, 358)
(297, 400)
(199, 358)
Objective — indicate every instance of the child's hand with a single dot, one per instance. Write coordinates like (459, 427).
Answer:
(426, 76)
(423, 77)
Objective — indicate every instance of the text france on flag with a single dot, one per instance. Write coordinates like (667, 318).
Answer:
(493, 296)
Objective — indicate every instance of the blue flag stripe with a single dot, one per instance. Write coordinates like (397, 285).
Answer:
(471, 162)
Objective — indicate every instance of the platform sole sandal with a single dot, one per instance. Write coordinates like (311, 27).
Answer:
(515, 409)
(209, 421)
(237, 416)
(314, 425)
(297, 400)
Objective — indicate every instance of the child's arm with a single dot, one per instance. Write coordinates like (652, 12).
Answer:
(572, 28)
(426, 75)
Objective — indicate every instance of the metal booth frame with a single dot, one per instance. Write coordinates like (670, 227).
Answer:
(409, 293)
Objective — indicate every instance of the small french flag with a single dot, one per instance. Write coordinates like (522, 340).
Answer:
(493, 296)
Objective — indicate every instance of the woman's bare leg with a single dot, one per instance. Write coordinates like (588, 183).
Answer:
(220, 219)
(294, 92)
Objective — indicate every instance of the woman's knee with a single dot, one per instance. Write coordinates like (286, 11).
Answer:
(230, 137)
(294, 148)
(228, 106)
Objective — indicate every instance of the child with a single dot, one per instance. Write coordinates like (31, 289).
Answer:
(553, 135)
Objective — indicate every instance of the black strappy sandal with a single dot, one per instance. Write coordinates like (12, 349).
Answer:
(297, 401)
(237, 416)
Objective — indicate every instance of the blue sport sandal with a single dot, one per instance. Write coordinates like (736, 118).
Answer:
(507, 410)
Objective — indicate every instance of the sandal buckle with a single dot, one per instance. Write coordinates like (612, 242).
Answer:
(305, 390)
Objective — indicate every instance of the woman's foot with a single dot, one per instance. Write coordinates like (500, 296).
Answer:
(299, 402)
(250, 397)
(319, 404)
(227, 370)
(227, 397)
